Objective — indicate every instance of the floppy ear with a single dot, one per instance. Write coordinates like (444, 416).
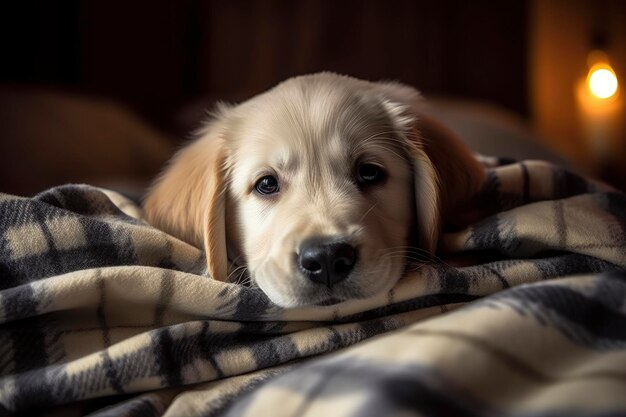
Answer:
(187, 200)
(446, 174)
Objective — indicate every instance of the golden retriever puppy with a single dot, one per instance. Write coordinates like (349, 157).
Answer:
(319, 187)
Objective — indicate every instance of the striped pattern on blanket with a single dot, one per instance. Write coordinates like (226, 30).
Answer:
(101, 313)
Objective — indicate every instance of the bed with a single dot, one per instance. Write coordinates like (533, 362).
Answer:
(102, 314)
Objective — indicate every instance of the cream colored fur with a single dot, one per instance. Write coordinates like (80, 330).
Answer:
(311, 132)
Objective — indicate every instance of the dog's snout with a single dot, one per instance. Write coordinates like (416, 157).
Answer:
(326, 262)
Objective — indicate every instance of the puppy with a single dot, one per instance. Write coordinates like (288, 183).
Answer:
(319, 187)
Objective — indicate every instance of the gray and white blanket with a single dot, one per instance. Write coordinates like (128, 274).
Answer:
(102, 314)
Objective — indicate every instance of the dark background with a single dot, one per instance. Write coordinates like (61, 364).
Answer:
(167, 61)
(158, 55)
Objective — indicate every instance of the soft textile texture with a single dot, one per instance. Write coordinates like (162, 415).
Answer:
(99, 312)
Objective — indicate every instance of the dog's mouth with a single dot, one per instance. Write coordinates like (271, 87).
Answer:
(329, 302)
(295, 290)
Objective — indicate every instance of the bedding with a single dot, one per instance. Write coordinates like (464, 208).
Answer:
(102, 314)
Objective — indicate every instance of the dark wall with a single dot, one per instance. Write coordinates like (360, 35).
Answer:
(157, 55)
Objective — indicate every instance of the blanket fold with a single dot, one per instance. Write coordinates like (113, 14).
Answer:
(101, 313)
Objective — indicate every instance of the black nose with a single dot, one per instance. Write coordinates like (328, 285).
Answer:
(326, 262)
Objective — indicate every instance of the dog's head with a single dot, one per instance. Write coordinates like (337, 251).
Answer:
(318, 187)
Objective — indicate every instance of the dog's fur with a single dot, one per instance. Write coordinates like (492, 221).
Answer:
(311, 132)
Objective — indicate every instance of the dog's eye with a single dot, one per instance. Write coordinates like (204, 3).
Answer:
(370, 174)
(267, 185)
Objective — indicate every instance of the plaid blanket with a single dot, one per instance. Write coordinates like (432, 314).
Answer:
(102, 314)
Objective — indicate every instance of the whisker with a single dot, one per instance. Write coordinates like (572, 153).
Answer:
(417, 253)
(234, 271)
(244, 278)
(234, 261)
(367, 212)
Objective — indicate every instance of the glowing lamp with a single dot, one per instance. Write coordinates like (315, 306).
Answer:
(602, 81)
(601, 107)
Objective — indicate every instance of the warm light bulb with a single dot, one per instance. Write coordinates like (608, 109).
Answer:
(602, 81)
